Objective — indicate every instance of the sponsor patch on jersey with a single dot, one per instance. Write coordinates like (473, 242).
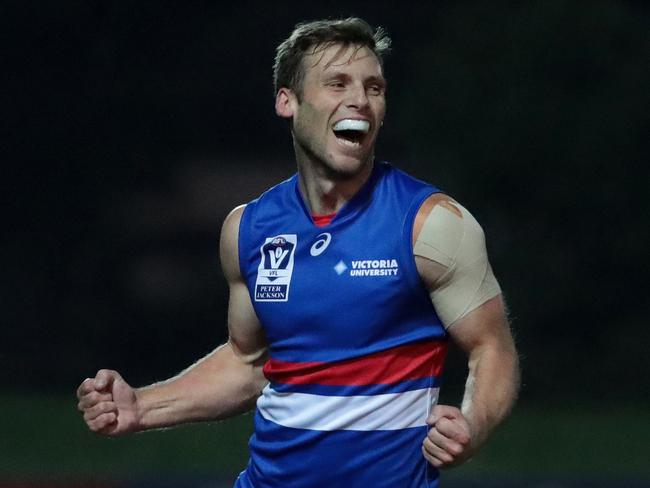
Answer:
(374, 267)
(323, 240)
(275, 269)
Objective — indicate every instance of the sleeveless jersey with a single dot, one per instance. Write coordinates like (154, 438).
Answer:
(355, 347)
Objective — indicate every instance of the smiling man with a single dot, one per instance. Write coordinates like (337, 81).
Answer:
(346, 283)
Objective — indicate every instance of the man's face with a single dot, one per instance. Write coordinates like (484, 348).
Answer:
(338, 115)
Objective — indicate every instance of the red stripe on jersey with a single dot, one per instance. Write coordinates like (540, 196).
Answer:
(402, 363)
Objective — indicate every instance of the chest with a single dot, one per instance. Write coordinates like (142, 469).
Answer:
(339, 286)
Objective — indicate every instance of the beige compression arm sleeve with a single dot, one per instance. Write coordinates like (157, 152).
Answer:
(452, 237)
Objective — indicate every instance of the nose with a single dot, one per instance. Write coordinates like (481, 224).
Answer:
(357, 97)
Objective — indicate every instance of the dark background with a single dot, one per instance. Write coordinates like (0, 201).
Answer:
(130, 129)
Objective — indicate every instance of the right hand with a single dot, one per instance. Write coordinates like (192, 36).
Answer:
(109, 404)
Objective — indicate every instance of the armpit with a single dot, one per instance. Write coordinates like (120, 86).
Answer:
(451, 237)
(251, 357)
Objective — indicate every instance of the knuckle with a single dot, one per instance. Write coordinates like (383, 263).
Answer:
(107, 406)
(89, 397)
(92, 412)
(102, 407)
(83, 387)
(455, 449)
(446, 457)
(433, 433)
(428, 457)
(435, 462)
(106, 374)
(101, 422)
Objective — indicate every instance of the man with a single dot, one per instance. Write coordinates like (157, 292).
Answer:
(345, 283)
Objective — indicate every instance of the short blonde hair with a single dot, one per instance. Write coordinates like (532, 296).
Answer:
(309, 37)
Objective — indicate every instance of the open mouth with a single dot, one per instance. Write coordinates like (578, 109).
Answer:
(351, 132)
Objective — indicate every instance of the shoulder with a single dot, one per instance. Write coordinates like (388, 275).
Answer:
(232, 220)
(442, 213)
(447, 234)
(229, 243)
(451, 257)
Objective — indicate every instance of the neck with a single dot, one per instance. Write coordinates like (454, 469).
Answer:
(325, 192)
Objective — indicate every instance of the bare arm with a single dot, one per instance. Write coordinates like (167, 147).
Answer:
(476, 319)
(224, 383)
(228, 380)
(493, 379)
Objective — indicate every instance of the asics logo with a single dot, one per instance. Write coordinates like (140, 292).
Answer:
(321, 244)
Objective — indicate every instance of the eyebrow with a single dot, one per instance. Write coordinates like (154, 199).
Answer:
(377, 79)
(333, 75)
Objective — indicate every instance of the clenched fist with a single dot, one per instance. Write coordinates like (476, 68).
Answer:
(449, 438)
(108, 403)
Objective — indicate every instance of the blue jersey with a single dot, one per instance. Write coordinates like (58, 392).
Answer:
(355, 347)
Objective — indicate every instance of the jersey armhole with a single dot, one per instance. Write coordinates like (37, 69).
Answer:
(412, 274)
(242, 243)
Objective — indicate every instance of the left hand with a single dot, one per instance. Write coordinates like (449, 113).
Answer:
(449, 438)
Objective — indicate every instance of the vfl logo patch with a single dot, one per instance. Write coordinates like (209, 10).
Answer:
(321, 244)
(275, 269)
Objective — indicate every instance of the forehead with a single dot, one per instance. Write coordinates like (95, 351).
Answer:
(321, 60)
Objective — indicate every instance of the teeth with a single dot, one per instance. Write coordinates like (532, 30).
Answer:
(352, 124)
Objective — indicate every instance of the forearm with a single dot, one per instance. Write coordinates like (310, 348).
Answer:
(491, 389)
(218, 386)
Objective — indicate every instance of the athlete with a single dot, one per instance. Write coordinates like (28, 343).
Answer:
(346, 283)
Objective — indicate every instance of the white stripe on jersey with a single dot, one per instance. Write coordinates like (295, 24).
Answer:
(390, 411)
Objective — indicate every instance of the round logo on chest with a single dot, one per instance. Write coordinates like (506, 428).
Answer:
(323, 240)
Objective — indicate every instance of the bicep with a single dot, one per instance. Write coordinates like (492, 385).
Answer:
(244, 328)
(245, 331)
(484, 327)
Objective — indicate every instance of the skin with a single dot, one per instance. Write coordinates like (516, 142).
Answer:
(340, 82)
(484, 335)
(224, 383)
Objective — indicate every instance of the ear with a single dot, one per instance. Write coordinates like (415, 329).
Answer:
(285, 103)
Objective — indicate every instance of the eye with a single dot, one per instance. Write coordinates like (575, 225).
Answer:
(375, 89)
